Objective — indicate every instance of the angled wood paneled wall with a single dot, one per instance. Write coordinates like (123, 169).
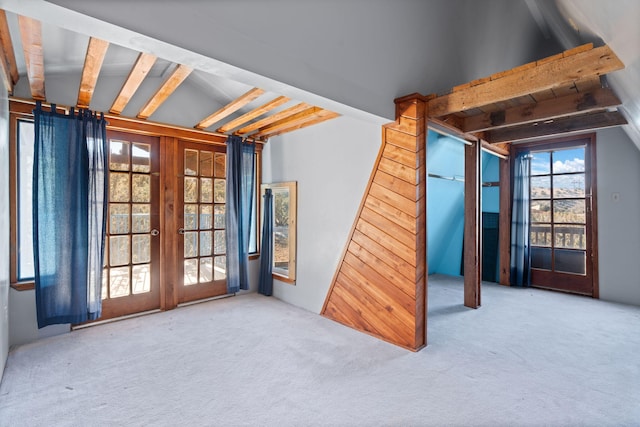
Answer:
(380, 283)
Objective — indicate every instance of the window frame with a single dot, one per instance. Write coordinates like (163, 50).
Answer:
(292, 188)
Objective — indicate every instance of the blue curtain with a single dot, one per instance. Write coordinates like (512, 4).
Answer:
(520, 250)
(240, 185)
(266, 248)
(69, 193)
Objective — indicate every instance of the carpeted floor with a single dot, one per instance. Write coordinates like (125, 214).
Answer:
(527, 357)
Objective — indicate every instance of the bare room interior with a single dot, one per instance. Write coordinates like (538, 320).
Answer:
(319, 212)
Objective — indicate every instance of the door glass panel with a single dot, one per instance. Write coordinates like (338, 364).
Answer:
(540, 234)
(206, 213)
(141, 248)
(206, 190)
(205, 243)
(540, 187)
(206, 163)
(568, 261)
(541, 258)
(571, 160)
(571, 185)
(220, 268)
(190, 217)
(219, 211)
(119, 283)
(220, 244)
(220, 191)
(141, 278)
(190, 190)
(206, 270)
(191, 244)
(570, 236)
(141, 188)
(540, 211)
(220, 165)
(119, 219)
(141, 157)
(118, 187)
(569, 211)
(191, 162)
(118, 155)
(119, 250)
(190, 272)
(141, 218)
(541, 163)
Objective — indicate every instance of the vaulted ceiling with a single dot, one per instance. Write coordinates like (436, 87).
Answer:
(351, 58)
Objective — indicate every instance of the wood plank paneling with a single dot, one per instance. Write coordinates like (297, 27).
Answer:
(381, 275)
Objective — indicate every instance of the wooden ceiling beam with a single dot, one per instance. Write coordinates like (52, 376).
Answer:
(293, 120)
(556, 127)
(549, 73)
(322, 116)
(168, 87)
(7, 56)
(230, 108)
(96, 51)
(580, 103)
(31, 35)
(140, 70)
(271, 119)
(245, 118)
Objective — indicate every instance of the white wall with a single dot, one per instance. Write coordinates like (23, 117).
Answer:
(4, 229)
(618, 168)
(23, 323)
(332, 163)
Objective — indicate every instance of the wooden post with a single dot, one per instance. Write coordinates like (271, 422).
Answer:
(472, 225)
(505, 222)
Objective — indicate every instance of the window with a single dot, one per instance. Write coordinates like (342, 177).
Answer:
(25, 139)
(284, 229)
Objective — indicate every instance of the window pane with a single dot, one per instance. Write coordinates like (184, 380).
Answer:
(206, 270)
(119, 282)
(141, 218)
(190, 272)
(206, 163)
(190, 244)
(220, 191)
(220, 170)
(540, 235)
(118, 218)
(141, 275)
(571, 160)
(205, 243)
(191, 162)
(540, 163)
(571, 261)
(206, 190)
(141, 158)
(190, 217)
(119, 250)
(568, 185)
(219, 242)
(190, 190)
(141, 188)
(281, 230)
(540, 211)
(569, 211)
(118, 155)
(220, 268)
(118, 187)
(141, 249)
(206, 212)
(570, 236)
(541, 258)
(25, 194)
(219, 212)
(540, 187)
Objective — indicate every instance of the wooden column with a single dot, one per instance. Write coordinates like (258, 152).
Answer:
(380, 284)
(505, 222)
(472, 225)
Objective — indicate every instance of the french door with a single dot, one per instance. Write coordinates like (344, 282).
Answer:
(201, 208)
(131, 273)
(562, 216)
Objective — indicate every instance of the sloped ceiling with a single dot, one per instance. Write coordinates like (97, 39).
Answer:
(354, 57)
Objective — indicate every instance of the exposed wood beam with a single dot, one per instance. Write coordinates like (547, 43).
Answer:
(472, 225)
(31, 35)
(230, 108)
(253, 114)
(322, 116)
(451, 126)
(137, 74)
(557, 127)
(271, 119)
(310, 113)
(495, 149)
(552, 72)
(8, 58)
(168, 87)
(580, 103)
(96, 50)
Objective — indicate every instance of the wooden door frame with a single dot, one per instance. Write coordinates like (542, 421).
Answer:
(590, 175)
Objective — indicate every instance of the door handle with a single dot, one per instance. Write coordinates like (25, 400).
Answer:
(155, 232)
(180, 230)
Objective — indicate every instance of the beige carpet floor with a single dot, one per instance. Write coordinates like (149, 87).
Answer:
(527, 357)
